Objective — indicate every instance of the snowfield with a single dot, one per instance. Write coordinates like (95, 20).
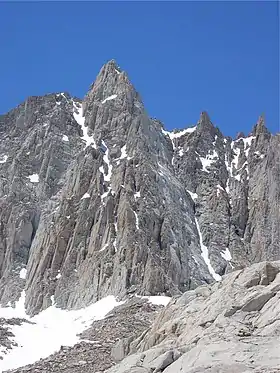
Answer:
(50, 329)
(53, 328)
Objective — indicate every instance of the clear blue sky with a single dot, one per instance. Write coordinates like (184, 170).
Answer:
(183, 57)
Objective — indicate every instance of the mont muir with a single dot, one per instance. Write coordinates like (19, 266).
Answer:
(98, 200)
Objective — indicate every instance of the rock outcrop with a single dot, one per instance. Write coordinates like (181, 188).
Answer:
(96, 198)
(231, 326)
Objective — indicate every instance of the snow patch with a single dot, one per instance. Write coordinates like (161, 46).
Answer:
(50, 329)
(137, 195)
(123, 155)
(80, 119)
(109, 98)
(181, 152)
(259, 154)
(107, 177)
(226, 255)
(175, 135)
(219, 189)
(22, 273)
(34, 178)
(158, 300)
(104, 247)
(3, 158)
(115, 240)
(247, 143)
(205, 254)
(104, 195)
(86, 195)
(193, 195)
(65, 138)
(58, 276)
(136, 220)
(207, 162)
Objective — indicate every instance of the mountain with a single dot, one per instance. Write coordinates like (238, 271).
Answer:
(98, 199)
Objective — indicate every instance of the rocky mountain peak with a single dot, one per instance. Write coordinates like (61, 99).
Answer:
(97, 199)
(204, 123)
(260, 127)
(111, 93)
(116, 204)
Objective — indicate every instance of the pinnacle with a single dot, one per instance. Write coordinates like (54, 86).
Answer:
(112, 65)
(204, 117)
(260, 126)
(204, 122)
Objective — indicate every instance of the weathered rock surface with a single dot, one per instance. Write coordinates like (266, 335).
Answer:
(231, 326)
(96, 199)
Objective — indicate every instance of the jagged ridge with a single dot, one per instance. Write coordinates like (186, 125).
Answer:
(100, 199)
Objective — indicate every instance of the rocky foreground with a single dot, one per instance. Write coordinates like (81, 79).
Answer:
(228, 327)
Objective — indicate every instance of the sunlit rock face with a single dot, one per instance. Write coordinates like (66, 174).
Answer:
(98, 199)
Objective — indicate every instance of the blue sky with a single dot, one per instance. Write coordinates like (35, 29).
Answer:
(183, 57)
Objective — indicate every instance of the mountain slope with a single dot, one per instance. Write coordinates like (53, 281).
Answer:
(96, 198)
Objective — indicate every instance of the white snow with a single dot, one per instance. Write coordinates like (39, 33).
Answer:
(58, 276)
(193, 195)
(259, 154)
(123, 152)
(219, 189)
(65, 138)
(52, 328)
(86, 195)
(159, 300)
(116, 230)
(80, 119)
(109, 98)
(34, 178)
(210, 158)
(205, 255)
(174, 135)
(181, 152)
(226, 255)
(247, 143)
(107, 177)
(22, 273)
(123, 155)
(68, 217)
(104, 247)
(136, 220)
(137, 195)
(104, 195)
(3, 158)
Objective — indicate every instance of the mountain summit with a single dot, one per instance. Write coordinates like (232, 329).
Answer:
(97, 199)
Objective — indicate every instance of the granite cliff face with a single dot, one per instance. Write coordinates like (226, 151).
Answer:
(96, 198)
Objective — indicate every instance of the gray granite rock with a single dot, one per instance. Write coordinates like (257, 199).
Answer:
(207, 336)
(96, 199)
